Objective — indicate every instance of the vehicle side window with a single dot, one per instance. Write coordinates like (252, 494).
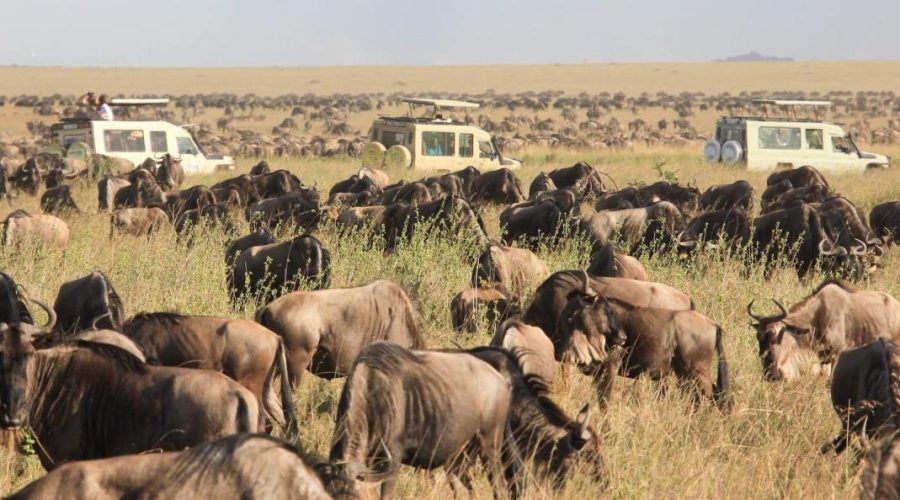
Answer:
(124, 141)
(779, 138)
(158, 142)
(438, 143)
(840, 145)
(466, 145)
(186, 146)
(485, 149)
(390, 138)
(814, 139)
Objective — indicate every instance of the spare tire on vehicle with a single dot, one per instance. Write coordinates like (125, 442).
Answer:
(372, 155)
(712, 151)
(78, 150)
(397, 156)
(732, 152)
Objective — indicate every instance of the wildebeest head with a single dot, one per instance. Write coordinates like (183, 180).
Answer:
(587, 327)
(780, 343)
(16, 356)
(580, 446)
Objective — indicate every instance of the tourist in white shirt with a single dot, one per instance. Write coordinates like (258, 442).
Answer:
(106, 112)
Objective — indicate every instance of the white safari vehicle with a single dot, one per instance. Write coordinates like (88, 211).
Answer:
(763, 143)
(134, 140)
(432, 141)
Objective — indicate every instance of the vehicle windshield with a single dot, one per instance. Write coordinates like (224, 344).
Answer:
(853, 146)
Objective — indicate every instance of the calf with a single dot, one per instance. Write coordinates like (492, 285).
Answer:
(491, 302)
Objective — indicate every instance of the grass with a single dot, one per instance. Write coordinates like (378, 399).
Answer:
(768, 447)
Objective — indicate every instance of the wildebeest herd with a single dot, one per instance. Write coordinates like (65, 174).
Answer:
(96, 387)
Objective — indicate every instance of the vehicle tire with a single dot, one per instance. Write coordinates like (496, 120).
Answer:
(712, 151)
(372, 155)
(397, 157)
(79, 150)
(732, 152)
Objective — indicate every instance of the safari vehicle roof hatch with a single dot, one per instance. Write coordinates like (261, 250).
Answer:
(436, 106)
(791, 106)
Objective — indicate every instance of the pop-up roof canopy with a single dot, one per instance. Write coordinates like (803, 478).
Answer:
(139, 102)
(440, 103)
(780, 102)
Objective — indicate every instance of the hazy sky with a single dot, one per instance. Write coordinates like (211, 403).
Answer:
(342, 32)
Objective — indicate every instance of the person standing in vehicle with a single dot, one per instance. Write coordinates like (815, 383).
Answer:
(106, 112)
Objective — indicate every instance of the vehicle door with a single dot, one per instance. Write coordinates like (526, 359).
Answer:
(438, 150)
(488, 157)
(843, 155)
(814, 152)
(192, 161)
(778, 145)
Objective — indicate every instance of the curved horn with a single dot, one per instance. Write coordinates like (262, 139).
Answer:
(750, 312)
(877, 250)
(587, 285)
(687, 244)
(98, 318)
(833, 250)
(51, 314)
(859, 249)
(784, 312)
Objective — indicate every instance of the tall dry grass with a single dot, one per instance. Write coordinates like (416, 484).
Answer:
(655, 447)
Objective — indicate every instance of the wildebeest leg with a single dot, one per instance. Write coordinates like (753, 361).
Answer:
(605, 375)
(458, 472)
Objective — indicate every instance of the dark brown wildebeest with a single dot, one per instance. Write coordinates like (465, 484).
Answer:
(460, 183)
(27, 178)
(731, 226)
(724, 196)
(263, 271)
(487, 301)
(54, 178)
(142, 191)
(798, 177)
(353, 184)
(532, 224)
(581, 178)
(885, 220)
(466, 179)
(655, 342)
(13, 306)
(861, 393)
(515, 269)
(815, 193)
(452, 215)
(241, 466)
(244, 350)
(257, 238)
(192, 198)
(364, 198)
(367, 219)
(772, 193)
(648, 228)
(609, 261)
(88, 302)
(138, 221)
(497, 186)
(58, 201)
(835, 317)
(530, 345)
(292, 209)
(686, 198)
(622, 199)
(277, 183)
(880, 477)
(413, 193)
(541, 183)
(121, 405)
(564, 199)
(107, 189)
(557, 290)
(169, 172)
(22, 228)
(243, 184)
(324, 330)
(261, 168)
(852, 219)
(212, 216)
(379, 177)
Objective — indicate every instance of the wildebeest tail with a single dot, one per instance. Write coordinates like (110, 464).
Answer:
(720, 390)
(243, 417)
(513, 463)
(287, 400)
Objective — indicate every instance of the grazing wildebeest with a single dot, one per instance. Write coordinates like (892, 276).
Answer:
(609, 261)
(452, 215)
(261, 168)
(495, 305)
(622, 199)
(655, 342)
(686, 198)
(21, 228)
(581, 178)
(835, 317)
(541, 183)
(192, 198)
(27, 178)
(244, 350)
(564, 199)
(58, 200)
(244, 186)
(530, 345)
(240, 466)
(731, 226)
(274, 184)
(880, 476)
(885, 220)
(142, 191)
(515, 269)
(119, 404)
(466, 179)
(257, 238)
(264, 270)
(651, 227)
(324, 330)
(772, 193)
(107, 189)
(413, 193)
(138, 221)
(293, 209)
(379, 177)
(559, 288)
(497, 186)
(361, 218)
(13, 306)
(88, 302)
(169, 172)
(213, 216)
(532, 224)
(798, 177)
(861, 393)
(815, 193)
(724, 196)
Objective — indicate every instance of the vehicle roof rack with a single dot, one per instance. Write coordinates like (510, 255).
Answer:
(792, 106)
(440, 103)
(161, 101)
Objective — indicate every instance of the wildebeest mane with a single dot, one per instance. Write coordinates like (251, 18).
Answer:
(123, 358)
(830, 281)
(115, 301)
(169, 318)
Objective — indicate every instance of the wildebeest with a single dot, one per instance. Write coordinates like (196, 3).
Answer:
(798, 177)
(22, 228)
(560, 287)
(244, 350)
(216, 216)
(119, 404)
(655, 342)
(13, 305)
(27, 178)
(263, 271)
(138, 221)
(815, 193)
(244, 185)
(581, 178)
(492, 302)
(261, 168)
(564, 199)
(192, 198)
(835, 317)
(497, 186)
(772, 193)
(274, 184)
(650, 227)
(609, 261)
(731, 226)
(622, 199)
(453, 215)
(724, 196)
(142, 191)
(292, 209)
(413, 193)
(861, 393)
(257, 238)
(531, 224)
(324, 330)
(240, 466)
(686, 198)
(516, 269)
(379, 177)
(541, 183)
(107, 189)
(366, 219)
(531, 346)
(88, 302)
(58, 201)
(169, 172)
(885, 221)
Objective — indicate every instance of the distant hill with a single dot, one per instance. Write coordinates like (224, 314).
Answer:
(755, 57)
